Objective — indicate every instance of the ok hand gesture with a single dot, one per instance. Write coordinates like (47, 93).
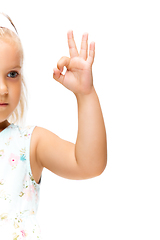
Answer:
(78, 77)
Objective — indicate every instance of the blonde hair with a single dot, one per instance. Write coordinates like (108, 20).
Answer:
(18, 114)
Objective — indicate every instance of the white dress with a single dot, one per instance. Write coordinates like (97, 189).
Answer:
(19, 193)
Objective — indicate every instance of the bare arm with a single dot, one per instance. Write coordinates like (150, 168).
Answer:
(88, 157)
(91, 146)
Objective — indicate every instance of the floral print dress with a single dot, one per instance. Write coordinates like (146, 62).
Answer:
(19, 193)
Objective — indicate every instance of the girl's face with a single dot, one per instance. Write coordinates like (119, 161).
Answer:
(10, 79)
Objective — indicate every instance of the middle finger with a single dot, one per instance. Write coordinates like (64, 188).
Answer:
(84, 46)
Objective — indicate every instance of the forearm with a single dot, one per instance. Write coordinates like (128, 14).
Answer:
(91, 144)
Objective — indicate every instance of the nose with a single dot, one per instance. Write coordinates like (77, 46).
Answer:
(3, 87)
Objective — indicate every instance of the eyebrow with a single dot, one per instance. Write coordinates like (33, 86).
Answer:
(16, 67)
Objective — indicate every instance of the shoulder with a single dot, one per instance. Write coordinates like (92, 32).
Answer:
(44, 145)
(40, 140)
(40, 134)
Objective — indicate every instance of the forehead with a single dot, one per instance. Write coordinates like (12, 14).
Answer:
(10, 54)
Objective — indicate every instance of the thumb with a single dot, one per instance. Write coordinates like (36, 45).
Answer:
(58, 76)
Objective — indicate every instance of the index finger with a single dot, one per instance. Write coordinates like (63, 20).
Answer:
(72, 45)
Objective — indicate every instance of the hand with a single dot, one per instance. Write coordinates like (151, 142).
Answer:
(78, 77)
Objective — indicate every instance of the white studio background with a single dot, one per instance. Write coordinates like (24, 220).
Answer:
(122, 203)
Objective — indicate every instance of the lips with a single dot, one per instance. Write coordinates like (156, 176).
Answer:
(3, 104)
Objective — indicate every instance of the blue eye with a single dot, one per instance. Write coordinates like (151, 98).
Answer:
(12, 74)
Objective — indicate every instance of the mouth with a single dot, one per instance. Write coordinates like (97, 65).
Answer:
(3, 104)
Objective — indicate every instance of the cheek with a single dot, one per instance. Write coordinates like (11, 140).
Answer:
(16, 93)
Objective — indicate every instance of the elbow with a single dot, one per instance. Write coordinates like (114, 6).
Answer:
(102, 160)
(103, 167)
(103, 164)
(95, 171)
(93, 166)
(100, 169)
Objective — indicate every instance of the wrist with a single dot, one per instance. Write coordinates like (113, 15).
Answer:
(85, 95)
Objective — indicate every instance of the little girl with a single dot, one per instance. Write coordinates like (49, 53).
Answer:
(24, 152)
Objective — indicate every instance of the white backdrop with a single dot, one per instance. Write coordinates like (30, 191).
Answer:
(124, 202)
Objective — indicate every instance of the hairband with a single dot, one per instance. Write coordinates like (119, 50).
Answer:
(5, 23)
